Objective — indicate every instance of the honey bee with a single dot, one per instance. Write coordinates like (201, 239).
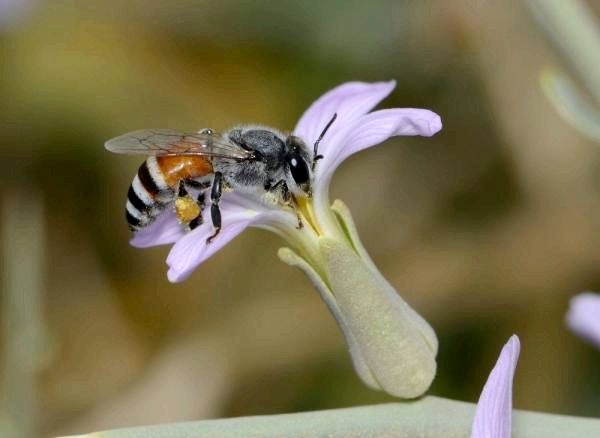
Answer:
(246, 159)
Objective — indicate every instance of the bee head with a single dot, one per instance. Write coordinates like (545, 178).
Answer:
(297, 162)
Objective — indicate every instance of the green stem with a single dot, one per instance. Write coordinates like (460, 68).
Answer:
(429, 417)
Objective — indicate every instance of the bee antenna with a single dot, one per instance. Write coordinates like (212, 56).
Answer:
(316, 147)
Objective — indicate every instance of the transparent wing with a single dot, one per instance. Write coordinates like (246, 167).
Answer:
(169, 142)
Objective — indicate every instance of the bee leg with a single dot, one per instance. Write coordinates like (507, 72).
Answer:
(186, 207)
(181, 191)
(282, 189)
(286, 197)
(193, 184)
(198, 220)
(193, 207)
(215, 211)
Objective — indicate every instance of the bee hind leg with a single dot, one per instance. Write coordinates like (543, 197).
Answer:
(187, 209)
(198, 220)
(215, 212)
(200, 200)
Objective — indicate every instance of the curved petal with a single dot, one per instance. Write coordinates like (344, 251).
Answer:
(350, 101)
(583, 317)
(493, 416)
(376, 127)
(238, 213)
(192, 249)
(370, 130)
(165, 229)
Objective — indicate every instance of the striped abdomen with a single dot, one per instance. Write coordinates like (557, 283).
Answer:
(156, 183)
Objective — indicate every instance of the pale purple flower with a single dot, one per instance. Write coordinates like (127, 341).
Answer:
(354, 129)
(493, 416)
(12, 12)
(392, 347)
(583, 317)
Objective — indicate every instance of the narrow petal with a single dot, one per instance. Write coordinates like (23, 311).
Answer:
(237, 213)
(350, 101)
(376, 127)
(192, 249)
(583, 317)
(493, 416)
(164, 230)
(370, 130)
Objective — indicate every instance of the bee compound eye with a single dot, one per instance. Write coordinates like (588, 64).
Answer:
(298, 168)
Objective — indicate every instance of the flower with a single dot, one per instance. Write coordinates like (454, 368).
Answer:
(355, 129)
(392, 347)
(493, 415)
(13, 12)
(583, 317)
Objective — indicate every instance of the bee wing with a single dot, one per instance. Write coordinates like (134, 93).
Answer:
(165, 142)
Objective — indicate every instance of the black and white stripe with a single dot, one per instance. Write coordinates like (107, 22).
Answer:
(147, 195)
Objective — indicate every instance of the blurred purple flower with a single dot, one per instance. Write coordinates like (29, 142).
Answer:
(493, 416)
(583, 317)
(12, 12)
(354, 129)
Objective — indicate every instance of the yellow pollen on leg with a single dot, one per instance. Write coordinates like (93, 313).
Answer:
(186, 209)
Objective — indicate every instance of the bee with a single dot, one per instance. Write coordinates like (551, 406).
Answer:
(246, 159)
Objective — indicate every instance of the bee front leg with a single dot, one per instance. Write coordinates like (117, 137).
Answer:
(281, 189)
(215, 212)
(286, 197)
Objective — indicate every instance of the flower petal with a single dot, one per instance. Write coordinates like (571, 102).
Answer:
(192, 249)
(370, 130)
(376, 127)
(493, 416)
(583, 317)
(237, 213)
(165, 229)
(350, 101)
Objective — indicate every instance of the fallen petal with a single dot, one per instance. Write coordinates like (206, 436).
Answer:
(493, 416)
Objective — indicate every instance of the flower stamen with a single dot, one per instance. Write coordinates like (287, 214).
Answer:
(307, 214)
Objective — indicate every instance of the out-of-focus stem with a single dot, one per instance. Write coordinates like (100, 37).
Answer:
(572, 26)
(430, 417)
(22, 234)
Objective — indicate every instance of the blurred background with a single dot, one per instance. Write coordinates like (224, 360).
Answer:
(487, 229)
